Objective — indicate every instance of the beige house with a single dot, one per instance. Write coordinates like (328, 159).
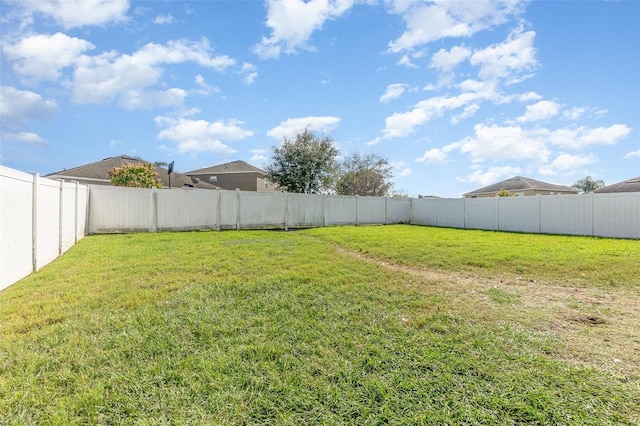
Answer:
(98, 174)
(521, 186)
(235, 175)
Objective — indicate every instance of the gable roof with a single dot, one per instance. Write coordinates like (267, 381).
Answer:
(238, 166)
(630, 185)
(98, 172)
(519, 183)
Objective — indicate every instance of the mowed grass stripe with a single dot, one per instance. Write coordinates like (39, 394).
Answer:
(277, 328)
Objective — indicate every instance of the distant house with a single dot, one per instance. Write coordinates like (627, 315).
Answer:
(522, 186)
(235, 175)
(98, 174)
(630, 185)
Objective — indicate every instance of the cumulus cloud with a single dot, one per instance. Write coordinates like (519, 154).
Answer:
(433, 155)
(633, 154)
(78, 13)
(430, 21)
(292, 23)
(17, 109)
(492, 175)
(507, 60)
(542, 110)
(289, 128)
(109, 76)
(393, 91)
(43, 57)
(163, 20)
(204, 88)
(249, 73)
(567, 163)
(446, 60)
(259, 155)
(201, 135)
(580, 137)
(405, 173)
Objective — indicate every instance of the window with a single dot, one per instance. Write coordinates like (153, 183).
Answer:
(213, 179)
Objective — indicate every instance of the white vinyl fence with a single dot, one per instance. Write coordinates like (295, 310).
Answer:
(115, 209)
(40, 219)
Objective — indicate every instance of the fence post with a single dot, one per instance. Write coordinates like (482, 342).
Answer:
(286, 210)
(60, 213)
(34, 223)
(357, 215)
(386, 210)
(219, 208)
(324, 211)
(154, 201)
(237, 209)
(75, 215)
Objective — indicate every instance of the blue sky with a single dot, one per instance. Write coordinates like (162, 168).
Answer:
(456, 95)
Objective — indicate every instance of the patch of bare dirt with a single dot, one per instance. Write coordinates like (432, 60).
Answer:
(599, 327)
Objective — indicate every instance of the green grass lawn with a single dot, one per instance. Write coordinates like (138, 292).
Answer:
(353, 325)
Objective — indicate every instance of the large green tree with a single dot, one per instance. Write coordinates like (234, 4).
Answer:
(364, 174)
(305, 164)
(587, 184)
(137, 175)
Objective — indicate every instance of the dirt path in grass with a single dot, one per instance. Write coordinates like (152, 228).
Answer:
(599, 327)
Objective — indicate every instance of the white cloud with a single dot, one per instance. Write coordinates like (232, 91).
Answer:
(163, 20)
(430, 21)
(542, 110)
(42, 56)
(496, 143)
(446, 60)
(577, 138)
(493, 175)
(529, 96)
(574, 113)
(507, 60)
(24, 105)
(567, 163)
(205, 88)
(293, 21)
(434, 155)
(289, 128)
(405, 173)
(393, 91)
(633, 154)
(105, 77)
(201, 135)
(405, 61)
(79, 13)
(259, 155)
(469, 111)
(249, 73)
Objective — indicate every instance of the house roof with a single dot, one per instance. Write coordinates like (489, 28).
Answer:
(519, 183)
(238, 166)
(630, 185)
(99, 172)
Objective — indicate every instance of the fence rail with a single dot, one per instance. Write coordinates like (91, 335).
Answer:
(40, 219)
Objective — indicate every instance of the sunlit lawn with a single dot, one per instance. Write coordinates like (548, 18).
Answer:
(353, 325)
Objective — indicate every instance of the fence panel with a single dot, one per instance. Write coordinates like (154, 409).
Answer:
(114, 209)
(450, 212)
(16, 225)
(48, 221)
(68, 222)
(481, 213)
(566, 215)
(304, 210)
(187, 209)
(519, 214)
(261, 210)
(82, 211)
(340, 210)
(424, 211)
(370, 210)
(398, 210)
(616, 215)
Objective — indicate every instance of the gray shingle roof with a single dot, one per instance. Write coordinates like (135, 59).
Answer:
(99, 171)
(629, 185)
(519, 183)
(238, 166)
